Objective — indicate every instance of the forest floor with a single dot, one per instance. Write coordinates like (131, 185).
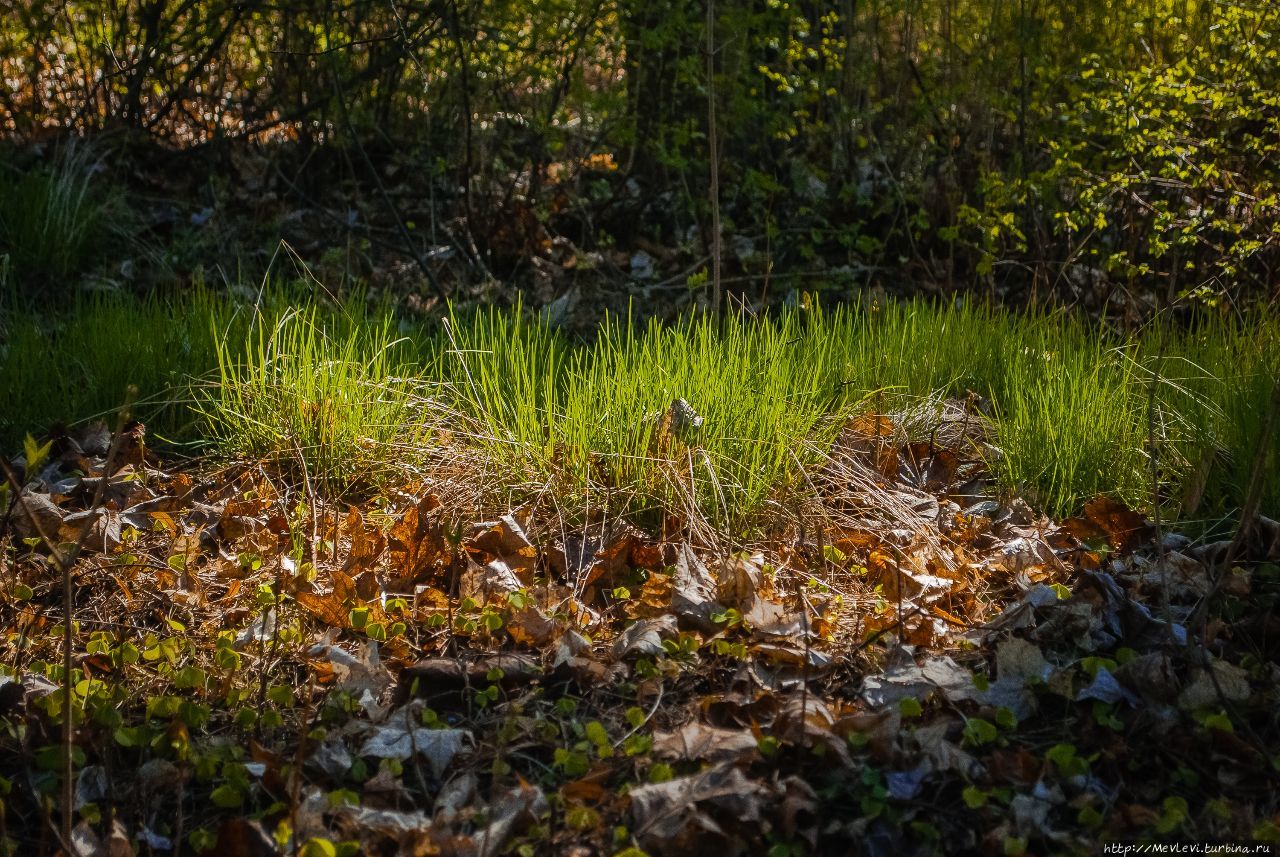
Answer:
(913, 662)
(471, 487)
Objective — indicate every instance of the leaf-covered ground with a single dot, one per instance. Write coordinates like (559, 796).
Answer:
(914, 665)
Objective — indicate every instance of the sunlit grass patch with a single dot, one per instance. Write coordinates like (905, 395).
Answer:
(333, 394)
(714, 418)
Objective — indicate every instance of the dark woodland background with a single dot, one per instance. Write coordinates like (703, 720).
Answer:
(1119, 156)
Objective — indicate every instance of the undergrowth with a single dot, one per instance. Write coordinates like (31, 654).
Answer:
(52, 219)
(717, 418)
(329, 392)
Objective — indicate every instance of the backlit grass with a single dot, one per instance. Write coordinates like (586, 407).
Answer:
(355, 394)
(327, 391)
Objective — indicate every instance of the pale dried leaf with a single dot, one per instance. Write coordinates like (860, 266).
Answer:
(697, 741)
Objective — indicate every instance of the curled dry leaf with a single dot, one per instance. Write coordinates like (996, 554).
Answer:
(331, 759)
(506, 539)
(1106, 688)
(740, 581)
(483, 583)
(46, 514)
(643, 638)
(940, 752)
(513, 811)
(715, 808)
(358, 822)
(1182, 576)
(805, 720)
(919, 681)
(529, 626)
(693, 591)
(455, 795)
(445, 682)
(1123, 528)
(698, 742)
(360, 673)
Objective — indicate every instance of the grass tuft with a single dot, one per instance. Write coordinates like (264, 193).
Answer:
(53, 219)
(330, 392)
(356, 396)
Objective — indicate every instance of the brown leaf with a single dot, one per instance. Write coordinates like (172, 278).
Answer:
(928, 467)
(868, 437)
(584, 558)
(852, 541)
(366, 583)
(646, 555)
(365, 546)
(530, 627)
(586, 790)
(1017, 767)
(695, 812)
(740, 581)
(38, 506)
(505, 539)
(742, 706)
(645, 637)
(429, 601)
(1123, 528)
(696, 742)
(329, 609)
(344, 587)
(880, 727)
(239, 837)
(693, 591)
(443, 680)
(513, 811)
(805, 720)
(416, 545)
(103, 532)
(486, 582)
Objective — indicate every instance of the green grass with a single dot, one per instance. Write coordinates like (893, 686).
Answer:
(357, 395)
(54, 218)
(1217, 381)
(328, 391)
(79, 363)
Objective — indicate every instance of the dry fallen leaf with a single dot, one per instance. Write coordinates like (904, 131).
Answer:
(698, 742)
(644, 637)
(399, 738)
(416, 546)
(693, 592)
(1123, 528)
(712, 809)
(518, 808)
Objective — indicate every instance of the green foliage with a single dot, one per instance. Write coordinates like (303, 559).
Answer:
(326, 392)
(1166, 163)
(1089, 149)
(353, 396)
(54, 218)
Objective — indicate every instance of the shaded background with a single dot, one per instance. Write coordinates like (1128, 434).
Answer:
(1115, 155)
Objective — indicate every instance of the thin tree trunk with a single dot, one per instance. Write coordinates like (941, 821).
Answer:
(714, 156)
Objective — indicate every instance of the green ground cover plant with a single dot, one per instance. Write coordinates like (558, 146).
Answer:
(722, 416)
(54, 218)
